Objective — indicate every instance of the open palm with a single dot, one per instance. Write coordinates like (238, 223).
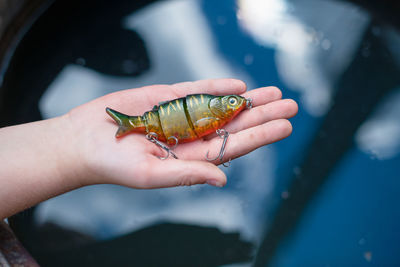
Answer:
(132, 160)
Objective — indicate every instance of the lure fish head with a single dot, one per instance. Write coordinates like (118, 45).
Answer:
(227, 107)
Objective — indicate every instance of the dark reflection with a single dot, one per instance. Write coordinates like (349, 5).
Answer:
(372, 74)
(164, 244)
(385, 10)
(74, 32)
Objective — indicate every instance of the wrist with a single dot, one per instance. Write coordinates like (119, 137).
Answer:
(38, 163)
(69, 165)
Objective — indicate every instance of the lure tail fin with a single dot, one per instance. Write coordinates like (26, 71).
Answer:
(127, 124)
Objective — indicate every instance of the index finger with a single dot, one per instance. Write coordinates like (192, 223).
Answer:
(161, 93)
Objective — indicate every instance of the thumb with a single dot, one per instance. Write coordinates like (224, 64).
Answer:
(172, 172)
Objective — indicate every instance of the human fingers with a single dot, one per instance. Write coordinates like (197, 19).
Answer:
(211, 86)
(173, 172)
(248, 140)
(281, 109)
(263, 95)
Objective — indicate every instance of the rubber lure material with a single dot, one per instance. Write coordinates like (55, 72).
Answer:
(184, 119)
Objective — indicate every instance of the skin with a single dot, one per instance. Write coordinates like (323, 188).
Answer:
(44, 159)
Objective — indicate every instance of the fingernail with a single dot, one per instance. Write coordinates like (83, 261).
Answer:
(214, 183)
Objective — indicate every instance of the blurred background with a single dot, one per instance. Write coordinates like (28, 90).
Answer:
(325, 196)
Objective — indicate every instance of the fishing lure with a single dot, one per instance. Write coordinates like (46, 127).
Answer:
(183, 120)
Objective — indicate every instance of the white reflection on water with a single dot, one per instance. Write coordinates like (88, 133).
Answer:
(308, 59)
(180, 47)
(379, 136)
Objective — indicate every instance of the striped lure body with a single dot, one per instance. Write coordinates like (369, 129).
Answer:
(184, 119)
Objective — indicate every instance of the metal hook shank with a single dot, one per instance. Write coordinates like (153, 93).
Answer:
(249, 103)
(223, 134)
(153, 137)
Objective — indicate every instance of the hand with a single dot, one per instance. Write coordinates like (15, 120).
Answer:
(131, 161)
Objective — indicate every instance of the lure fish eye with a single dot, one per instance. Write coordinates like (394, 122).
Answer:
(232, 101)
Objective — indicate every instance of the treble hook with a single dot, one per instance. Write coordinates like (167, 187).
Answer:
(223, 134)
(153, 137)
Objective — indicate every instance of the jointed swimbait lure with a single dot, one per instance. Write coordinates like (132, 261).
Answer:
(184, 119)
